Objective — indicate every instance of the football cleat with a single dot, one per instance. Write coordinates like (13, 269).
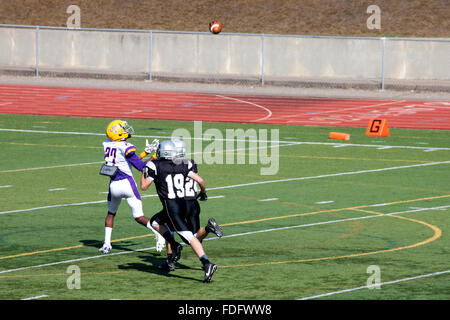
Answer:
(167, 266)
(160, 242)
(177, 253)
(210, 268)
(105, 248)
(213, 227)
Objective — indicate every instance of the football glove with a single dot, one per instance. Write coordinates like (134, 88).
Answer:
(151, 148)
(202, 196)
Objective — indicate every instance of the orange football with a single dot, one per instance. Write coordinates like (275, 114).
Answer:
(215, 26)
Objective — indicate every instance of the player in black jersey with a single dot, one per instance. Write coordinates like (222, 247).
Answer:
(170, 181)
(159, 221)
(191, 197)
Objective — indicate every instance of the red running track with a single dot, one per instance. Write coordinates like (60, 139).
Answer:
(108, 103)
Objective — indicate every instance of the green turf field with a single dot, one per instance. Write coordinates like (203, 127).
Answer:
(333, 210)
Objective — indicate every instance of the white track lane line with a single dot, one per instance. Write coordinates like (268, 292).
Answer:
(269, 112)
(347, 109)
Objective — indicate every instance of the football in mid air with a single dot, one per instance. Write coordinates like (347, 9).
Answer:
(215, 26)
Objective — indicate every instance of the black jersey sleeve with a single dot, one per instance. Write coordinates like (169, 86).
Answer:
(191, 166)
(150, 170)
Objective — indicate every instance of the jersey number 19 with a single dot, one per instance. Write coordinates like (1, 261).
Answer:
(178, 187)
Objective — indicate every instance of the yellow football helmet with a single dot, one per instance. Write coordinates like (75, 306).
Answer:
(119, 130)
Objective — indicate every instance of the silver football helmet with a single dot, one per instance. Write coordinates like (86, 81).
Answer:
(180, 147)
(166, 150)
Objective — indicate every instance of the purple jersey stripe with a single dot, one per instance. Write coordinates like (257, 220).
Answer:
(129, 150)
(134, 187)
(120, 176)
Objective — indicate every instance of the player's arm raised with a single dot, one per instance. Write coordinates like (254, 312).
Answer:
(149, 149)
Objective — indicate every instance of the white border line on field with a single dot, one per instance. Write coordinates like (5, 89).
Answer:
(339, 144)
(227, 236)
(245, 185)
(52, 167)
(269, 199)
(381, 284)
(36, 297)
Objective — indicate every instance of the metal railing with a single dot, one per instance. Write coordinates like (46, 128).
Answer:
(263, 38)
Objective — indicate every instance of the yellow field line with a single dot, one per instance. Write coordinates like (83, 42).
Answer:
(437, 234)
(235, 223)
(437, 231)
(72, 247)
(331, 210)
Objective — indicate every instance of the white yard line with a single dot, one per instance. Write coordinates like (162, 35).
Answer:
(216, 197)
(381, 284)
(331, 175)
(52, 167)
(290, 142)
(248, 184)
(340, 144)
(55, 206)
(372, 216)
(36, 297)
(57, 189)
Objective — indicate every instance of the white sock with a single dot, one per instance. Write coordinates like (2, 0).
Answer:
(108, 232)
(149, 226)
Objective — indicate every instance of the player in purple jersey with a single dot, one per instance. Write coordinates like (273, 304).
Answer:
(120, 157)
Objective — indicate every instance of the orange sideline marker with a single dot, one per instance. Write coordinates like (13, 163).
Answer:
(377, 128)
(339, 135)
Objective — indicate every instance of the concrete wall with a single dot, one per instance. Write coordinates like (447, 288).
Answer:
(226, 55)
(94, 50)
(417, 60)
(319, 57)
(17, 47)
(207, 54)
